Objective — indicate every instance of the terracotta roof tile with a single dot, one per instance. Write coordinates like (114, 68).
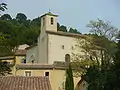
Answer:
(21, 52)
(49, 13)
(35, 66)
(24, 83)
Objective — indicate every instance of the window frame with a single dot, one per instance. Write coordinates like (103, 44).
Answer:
(63, 47)
(67, 58)
(23, 61)
(46, 73)
(27, 73)
(52, 20)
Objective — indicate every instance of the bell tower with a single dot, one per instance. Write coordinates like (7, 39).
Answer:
(49, 22)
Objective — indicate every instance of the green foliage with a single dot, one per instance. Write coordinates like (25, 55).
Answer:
(116, 68)
(5, 68)
(5, 47)
(21, 17)
(20, 30)
(6, 17)
(69, 84)
(71, 30)
(62, 28)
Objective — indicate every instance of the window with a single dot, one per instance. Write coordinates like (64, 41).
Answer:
(72, 48)
(32, 59)
(27, 73)
(24, 60)
(62, 46)
(47, 74)
(51, 20)
(67, 58)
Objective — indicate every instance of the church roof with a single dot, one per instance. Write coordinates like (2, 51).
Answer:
(61, 33)
(49, 13)
(24, 83)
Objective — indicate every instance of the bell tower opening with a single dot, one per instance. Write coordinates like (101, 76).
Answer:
(52, 20)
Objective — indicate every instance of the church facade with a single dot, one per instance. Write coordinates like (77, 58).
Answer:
(52, 45)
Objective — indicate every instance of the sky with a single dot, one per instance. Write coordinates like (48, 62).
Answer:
(72, 13)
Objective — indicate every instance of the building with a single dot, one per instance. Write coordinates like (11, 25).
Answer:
(52, 49)
(52, 45)
(48, 56)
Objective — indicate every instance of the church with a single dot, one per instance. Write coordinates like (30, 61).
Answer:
(53, 45)
(48, 57)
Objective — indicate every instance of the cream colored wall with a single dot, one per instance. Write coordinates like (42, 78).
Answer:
(32, 53)
(43, 38)
(46, 23)
(42, 47)
(55, 51)
(56, 77)
(19, 59)
(33, 72)
(10, 61)
(50, 27)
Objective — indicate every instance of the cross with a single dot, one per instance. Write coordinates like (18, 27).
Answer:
(49, 9)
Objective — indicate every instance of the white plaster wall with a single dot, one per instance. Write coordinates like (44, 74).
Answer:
(32, 52)
(55, 51)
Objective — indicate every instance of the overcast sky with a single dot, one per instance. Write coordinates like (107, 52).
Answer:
(72, 13)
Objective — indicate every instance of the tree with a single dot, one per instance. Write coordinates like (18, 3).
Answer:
(3, 7)
(71, 30)
(6, 17)
(96, 57)
(115, 70)
(5, 47)
(21, 18)
(63, 28)
(102, 28)
(5, 68)
(69, 84)
(36, 22)
(58, 26)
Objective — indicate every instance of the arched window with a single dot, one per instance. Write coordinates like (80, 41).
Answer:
(51, 20)
(32, 59)
(67, 58)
